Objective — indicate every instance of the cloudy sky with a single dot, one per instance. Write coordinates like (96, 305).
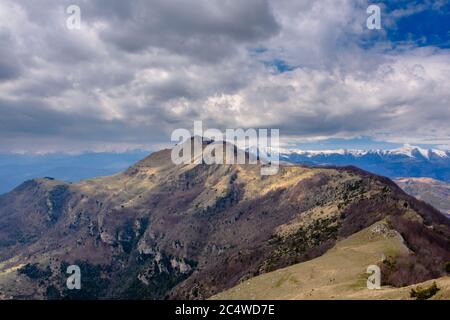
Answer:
(136, 70)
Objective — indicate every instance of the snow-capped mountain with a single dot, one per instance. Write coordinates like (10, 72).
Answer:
(407, 150)
(407, 161)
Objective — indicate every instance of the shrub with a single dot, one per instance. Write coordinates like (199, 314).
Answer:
(447, 267)
(424, 294)
(33, 271)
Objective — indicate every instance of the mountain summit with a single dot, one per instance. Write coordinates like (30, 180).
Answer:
(160, 230)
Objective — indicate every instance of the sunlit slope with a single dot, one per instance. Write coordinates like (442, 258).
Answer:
(338, 274)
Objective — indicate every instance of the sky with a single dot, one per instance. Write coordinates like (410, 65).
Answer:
(136, 70)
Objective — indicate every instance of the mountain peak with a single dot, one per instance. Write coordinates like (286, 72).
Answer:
(415, 151)
(163, 159)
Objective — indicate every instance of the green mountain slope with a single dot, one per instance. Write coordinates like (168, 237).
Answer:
(338, 274)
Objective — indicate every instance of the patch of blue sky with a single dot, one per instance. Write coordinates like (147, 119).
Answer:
(420, 23)
(279, 65)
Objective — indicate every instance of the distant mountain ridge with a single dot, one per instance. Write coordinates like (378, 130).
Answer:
(407, 150)
(434, 192)
(407, 161)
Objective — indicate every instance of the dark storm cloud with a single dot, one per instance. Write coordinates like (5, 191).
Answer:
(10, 66)
(206, 30)
(31, 118)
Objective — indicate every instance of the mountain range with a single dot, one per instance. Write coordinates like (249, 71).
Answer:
(407, 161)
(164, 231)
